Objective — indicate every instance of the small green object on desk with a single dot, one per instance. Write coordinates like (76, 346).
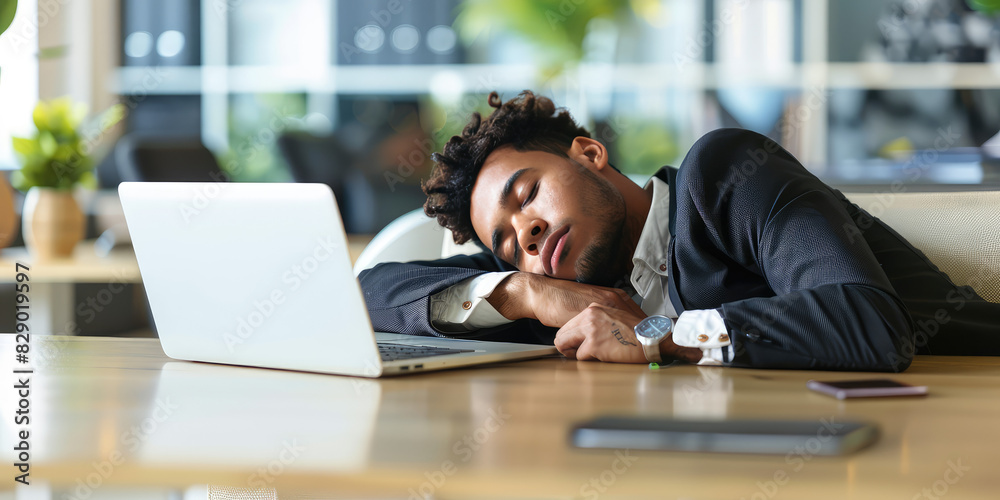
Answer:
(654, 366)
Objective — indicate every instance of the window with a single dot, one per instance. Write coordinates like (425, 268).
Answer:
(18, 79)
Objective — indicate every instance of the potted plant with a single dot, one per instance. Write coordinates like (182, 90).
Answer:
(54, 161)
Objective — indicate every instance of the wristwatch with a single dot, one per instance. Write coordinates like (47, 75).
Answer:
(650, 332)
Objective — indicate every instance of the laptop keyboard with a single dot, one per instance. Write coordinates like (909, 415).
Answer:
(396, 352)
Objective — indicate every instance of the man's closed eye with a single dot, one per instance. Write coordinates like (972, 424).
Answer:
(531, 196)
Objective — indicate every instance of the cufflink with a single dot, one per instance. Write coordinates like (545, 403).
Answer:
(723, 338)
(703, 338)
(467, 305)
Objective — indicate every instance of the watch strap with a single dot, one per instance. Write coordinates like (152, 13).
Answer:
(652, 352)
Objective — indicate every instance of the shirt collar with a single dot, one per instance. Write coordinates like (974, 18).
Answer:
(650, 258)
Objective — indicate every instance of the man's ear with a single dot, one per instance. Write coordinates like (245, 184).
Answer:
(589, 152)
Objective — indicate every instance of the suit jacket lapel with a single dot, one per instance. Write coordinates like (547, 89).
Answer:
(669, 175)
(675, 297)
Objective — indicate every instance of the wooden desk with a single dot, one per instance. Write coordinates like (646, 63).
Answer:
(490, 432)
(52, 281)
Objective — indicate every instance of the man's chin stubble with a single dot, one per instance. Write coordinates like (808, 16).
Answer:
(601, 263)
(606, 261)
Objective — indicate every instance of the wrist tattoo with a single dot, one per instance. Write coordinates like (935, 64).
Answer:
(621, 340)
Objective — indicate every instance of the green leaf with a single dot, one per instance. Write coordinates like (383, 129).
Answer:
(64, 152)
(47, 144)
(61, 115)
(7, 10)
(26, 147)
(40, 115)
(17, 180)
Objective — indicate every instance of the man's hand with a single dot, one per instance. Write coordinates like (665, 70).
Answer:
(603, 333)
(607, 334)
(551, 301)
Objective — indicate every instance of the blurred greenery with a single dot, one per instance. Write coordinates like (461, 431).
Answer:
(255, 123)
(57, 155)
(643, 145)
(987, 6)
(555, 28)
(638, 145)
(448, 121)
(7, 10)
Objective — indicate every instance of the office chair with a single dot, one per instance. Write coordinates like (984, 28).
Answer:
(315, 158)
(157, 159)
(322, 159)
(958, 231)
(413, 236)
(366, 201)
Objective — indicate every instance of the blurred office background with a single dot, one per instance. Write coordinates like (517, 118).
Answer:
(357, 94)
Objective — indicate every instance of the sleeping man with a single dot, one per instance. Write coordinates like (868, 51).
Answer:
(739, 257)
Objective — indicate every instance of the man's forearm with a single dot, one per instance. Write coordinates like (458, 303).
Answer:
(511, 298)
(552, 301)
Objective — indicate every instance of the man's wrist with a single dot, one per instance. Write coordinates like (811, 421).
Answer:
(512, 298)
(670, 350)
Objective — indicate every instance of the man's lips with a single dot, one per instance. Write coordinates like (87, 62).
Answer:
(552, 249)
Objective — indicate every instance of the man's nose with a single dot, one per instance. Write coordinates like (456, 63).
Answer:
(530, 234)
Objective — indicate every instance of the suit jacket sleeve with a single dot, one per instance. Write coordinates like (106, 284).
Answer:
(834, 307)
(398, 297)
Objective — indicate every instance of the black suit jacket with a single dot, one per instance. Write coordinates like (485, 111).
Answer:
(802, 277)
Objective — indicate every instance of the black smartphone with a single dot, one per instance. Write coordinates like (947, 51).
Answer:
(823, 436)
(868, 388)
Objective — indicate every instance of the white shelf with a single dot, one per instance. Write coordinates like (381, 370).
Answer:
(481, 78)
(914, 75)
(382, 79)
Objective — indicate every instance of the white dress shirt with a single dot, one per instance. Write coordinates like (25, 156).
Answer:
(463, 307)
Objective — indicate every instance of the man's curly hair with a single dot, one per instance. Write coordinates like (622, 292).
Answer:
(526, 123)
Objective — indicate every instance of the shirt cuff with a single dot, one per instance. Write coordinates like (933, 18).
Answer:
(463, 308)
(706, 330)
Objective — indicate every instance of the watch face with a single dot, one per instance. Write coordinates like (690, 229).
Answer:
(654, 326)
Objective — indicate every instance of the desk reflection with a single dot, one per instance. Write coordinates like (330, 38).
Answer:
(706, 396)
(263, 419)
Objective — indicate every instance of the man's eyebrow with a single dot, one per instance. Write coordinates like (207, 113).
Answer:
(509, 186)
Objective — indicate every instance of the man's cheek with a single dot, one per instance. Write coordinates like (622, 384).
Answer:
(565, 178)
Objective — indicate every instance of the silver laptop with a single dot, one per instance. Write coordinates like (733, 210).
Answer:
(259, 274)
